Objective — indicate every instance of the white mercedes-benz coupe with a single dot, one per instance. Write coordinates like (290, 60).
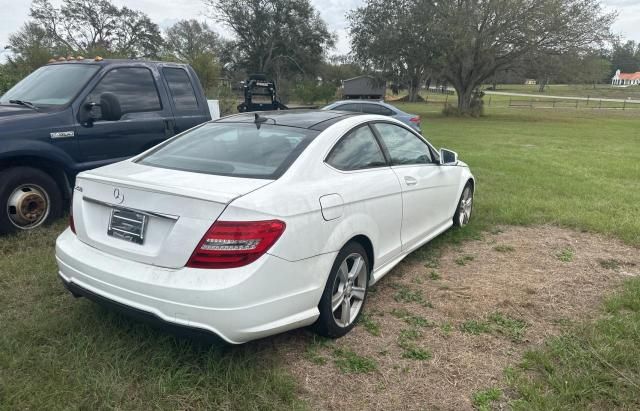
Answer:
(251, 225)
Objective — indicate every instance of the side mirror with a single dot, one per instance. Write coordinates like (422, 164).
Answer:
(448, 157)
(110, 107)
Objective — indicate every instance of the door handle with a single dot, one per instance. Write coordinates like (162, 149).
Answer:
(410, 181)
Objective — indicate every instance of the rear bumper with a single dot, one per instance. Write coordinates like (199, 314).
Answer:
(266, 297)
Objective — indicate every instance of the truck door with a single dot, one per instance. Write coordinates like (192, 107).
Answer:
(187, 101)
(145, 120)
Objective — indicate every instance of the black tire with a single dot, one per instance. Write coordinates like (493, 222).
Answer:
(327, 325)
(44, 187)
(460, 220)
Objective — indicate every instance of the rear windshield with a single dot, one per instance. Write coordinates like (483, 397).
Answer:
(233, 149)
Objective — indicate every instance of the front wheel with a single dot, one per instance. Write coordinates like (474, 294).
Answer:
(29, 198)
(465, 207)
(345, 292)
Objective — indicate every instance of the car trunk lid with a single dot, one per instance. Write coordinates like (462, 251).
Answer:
(151, 215)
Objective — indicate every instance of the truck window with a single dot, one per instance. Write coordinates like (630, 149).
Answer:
(52, 85)
(182, 92)
(133, 86)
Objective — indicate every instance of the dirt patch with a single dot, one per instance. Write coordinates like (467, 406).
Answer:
(437, 330)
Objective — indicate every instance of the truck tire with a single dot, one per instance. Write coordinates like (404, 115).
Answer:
(29, 198)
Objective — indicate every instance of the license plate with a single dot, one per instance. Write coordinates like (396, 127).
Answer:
(127, 225)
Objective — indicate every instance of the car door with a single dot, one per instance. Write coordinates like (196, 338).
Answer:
(188, 110)
(368, 188)
(145, 120)
(428, 189)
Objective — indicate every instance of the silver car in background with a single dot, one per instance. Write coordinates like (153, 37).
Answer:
(376, 107)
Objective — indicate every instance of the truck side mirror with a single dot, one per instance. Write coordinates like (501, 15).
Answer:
(108, 109)
(110, 106)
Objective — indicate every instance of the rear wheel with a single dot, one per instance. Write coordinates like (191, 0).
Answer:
(465, 207)
(345, 292)
(29, 198)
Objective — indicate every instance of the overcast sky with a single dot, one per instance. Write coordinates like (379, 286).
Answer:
(13, 13)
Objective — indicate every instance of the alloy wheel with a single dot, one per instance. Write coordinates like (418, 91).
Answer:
(466, 206)
(349, 290)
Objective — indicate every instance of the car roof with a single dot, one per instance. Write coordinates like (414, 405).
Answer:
(360, 101)
(107, 62)
(317, 120)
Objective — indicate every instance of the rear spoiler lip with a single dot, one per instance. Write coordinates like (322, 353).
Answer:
(210, 196)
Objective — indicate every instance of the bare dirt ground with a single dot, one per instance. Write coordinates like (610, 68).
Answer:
(447, 326)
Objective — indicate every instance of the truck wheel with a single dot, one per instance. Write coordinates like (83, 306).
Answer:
(29, 198)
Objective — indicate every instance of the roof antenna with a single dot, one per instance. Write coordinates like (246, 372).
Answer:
(259, 120)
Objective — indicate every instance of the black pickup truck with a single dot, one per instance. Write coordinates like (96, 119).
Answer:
(71, 116)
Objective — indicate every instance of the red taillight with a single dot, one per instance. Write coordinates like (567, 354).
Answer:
(415, 119)
(230, 244)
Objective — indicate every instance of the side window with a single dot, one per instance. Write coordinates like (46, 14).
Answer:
(376, 109)
(184, 97)
(350, 107)
(356, 151)
(133, 86)
(404, 147)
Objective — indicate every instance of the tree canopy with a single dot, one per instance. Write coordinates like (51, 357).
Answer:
(277, 37)
(97, 26)
(470, 40)
(193, 42)
(398, 39)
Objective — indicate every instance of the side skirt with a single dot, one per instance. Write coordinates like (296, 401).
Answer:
(382, 271)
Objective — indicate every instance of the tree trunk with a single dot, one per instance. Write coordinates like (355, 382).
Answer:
(464, 98)
(413, 92)
(414, 88)
(542, 83)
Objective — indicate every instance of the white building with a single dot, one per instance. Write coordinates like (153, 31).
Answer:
(625, 79)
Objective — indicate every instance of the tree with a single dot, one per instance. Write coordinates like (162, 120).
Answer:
(192, 42)
(277, 37)
(397, 38)
(338, 68)
(31, 48)
(189, 39)
(98, 27)
(571, 68)
(489, 35)
(625, 57)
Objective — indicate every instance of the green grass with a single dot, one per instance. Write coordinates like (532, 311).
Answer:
(313, 350)
(571, 168)
(464, 259)
(370, 324)
(483, 399)
(565, 255)
(411, 319)
(410, 350)
(502, 248)
(496, 323)
(594, 366)
(610, 263)
(416, 353)
(578, 170)
(351, 363)
(406, 294)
